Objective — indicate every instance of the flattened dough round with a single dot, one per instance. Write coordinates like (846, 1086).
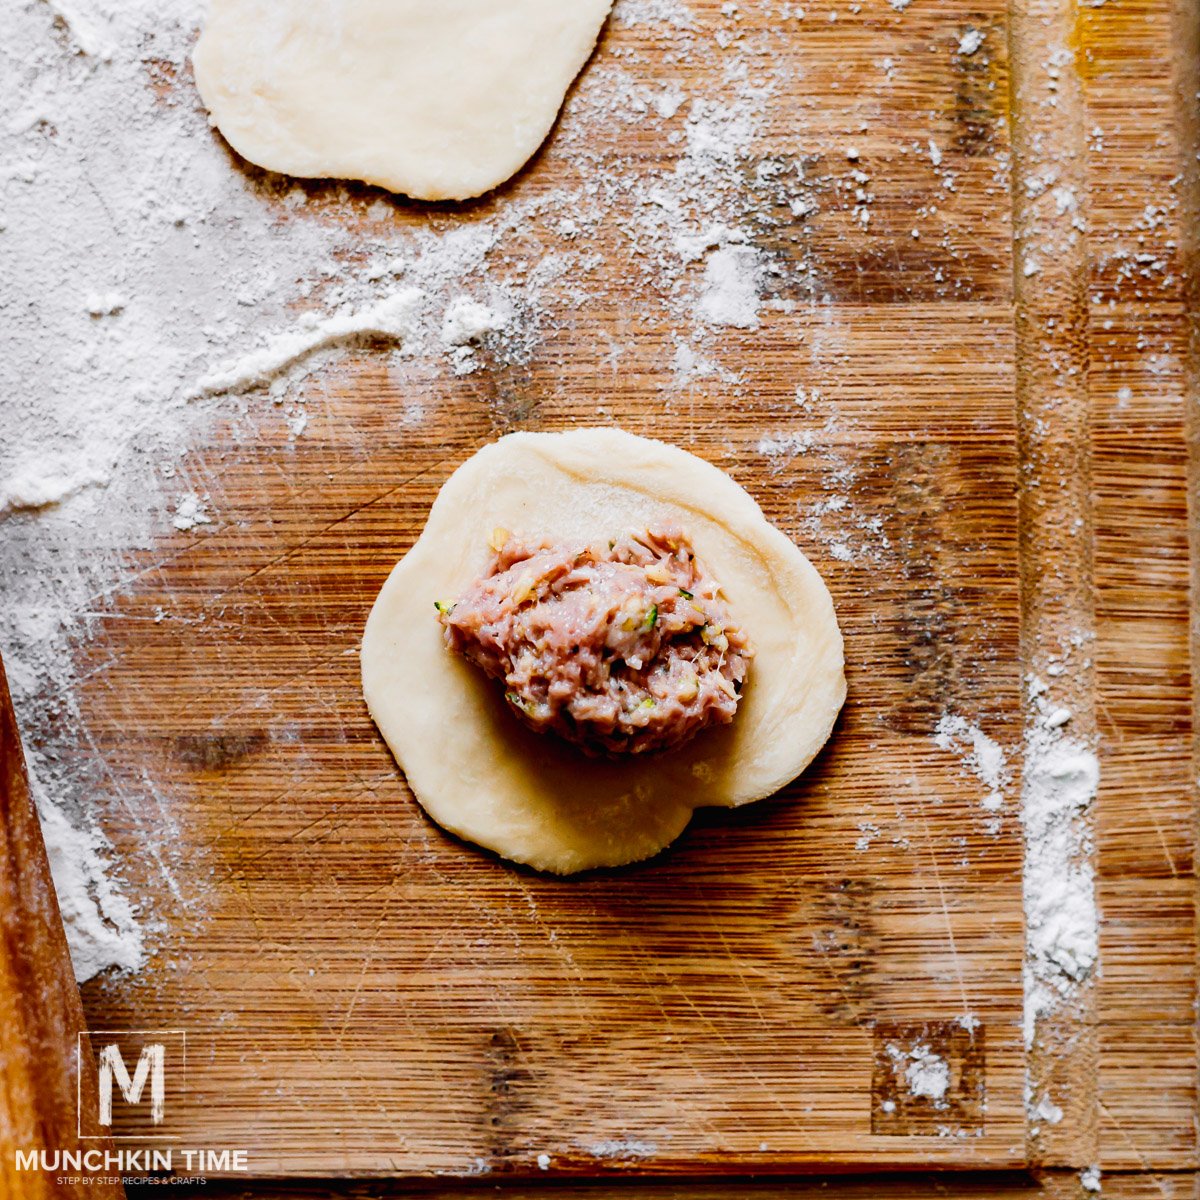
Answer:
(479, 772)
(437, 99)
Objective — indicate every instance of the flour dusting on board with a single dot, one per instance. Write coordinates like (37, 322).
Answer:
(1061, 775)
(625, 1147)
(983, 756)
(165, 288)
(101, 926)
(925, 1072)
(391, 317)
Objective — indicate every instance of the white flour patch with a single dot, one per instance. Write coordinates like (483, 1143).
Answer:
(392, 317)
(970, 41)
(1062, 940)
(926, 1074)
(1059, 781)
(781, 448)
(101, 926)
(1046, 1110)
(730, 293)
(621, 1148)
(467, 321)
(190, 512)
(465, 324)
(34, 487)
(982, 756)
(106, 304)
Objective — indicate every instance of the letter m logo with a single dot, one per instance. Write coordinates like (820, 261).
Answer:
(135, 1089)
(150, 1066)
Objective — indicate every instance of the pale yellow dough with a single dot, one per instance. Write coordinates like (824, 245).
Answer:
(438, 99)
(532, 798)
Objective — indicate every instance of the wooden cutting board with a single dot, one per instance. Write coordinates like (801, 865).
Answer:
(362, 993)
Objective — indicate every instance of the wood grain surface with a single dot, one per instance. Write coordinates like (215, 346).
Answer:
(366, 995)
(363, 993)
(1140, 65)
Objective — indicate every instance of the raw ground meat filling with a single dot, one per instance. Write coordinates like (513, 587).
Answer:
(622, 647)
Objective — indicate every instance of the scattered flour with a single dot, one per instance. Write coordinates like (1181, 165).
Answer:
(465, 324)
(101, 926)
(926, 1073)
(781, 448)
(867, 831)
(1046, 1110)
(982, 756)
(1061, 775)
(621, 1148)
(468, 320)
(35, 487)
(690, 365)
(1089, 1178)
(390, 317)
(1059, 781)
(190, 512)
(970, 41)
(173, 286)
(730, 295)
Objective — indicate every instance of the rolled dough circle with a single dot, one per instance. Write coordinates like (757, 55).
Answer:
(437, 99)
(479, 772)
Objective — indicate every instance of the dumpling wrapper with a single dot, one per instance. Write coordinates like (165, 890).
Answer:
(535, 799)
(437, 99)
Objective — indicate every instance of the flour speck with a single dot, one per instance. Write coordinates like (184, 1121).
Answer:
(190, 512)
(970, 41)
(925, 1072)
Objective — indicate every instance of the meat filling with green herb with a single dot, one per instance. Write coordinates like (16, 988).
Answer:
(622, 647)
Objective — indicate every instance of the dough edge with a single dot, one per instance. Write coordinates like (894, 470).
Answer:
(615, 813)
